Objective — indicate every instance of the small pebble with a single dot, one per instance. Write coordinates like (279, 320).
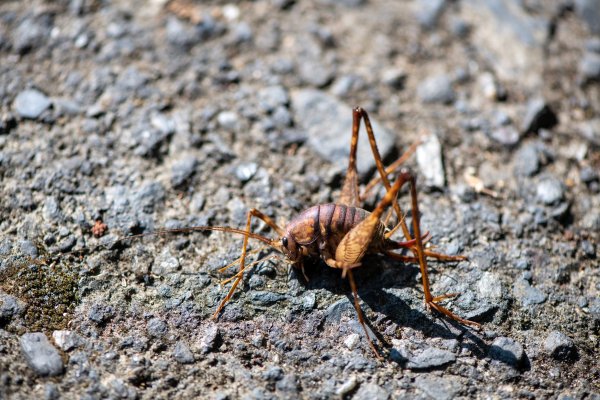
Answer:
(507, 350)
(157, 328)
(436, 89)
(40, 355)
(431, 357)
(182, 353)
(538, 115)
(560, 346)
(351, 341)
(550, 191)
(31, 103)
(371, 391)
(589, 67)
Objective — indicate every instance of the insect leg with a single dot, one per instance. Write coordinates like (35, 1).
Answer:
(361, 319)
(430, 301)
(239, 276)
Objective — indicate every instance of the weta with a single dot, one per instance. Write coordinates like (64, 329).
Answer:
(342, 233)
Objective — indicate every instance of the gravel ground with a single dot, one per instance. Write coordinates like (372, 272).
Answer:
(121, 117)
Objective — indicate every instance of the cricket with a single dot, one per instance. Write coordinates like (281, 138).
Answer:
(341, 234)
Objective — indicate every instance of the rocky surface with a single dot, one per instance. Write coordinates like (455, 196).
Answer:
(123, 117)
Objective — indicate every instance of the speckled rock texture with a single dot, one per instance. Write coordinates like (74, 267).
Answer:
(124, 117)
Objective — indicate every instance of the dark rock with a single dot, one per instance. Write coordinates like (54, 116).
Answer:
(538, 115)
(429, 12)
(157, 328)
(328, 124)
(334, 312)
(371, 391)
(589, 11)
(589, 248)
(431, 357)
(436, 89)
(550, 191)
(31, 103)
(10, 307)
(589, 67)
(40, 355)
(507, 350)
(560, 346)
(182, 353)
(527, 294)
(101, 313)
(7, 123)
(266, 298)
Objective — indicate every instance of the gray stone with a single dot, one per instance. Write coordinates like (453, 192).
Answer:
(370, 391)
(28, 248)
(429, 159)
(245, 171)
(100, 313)
(506, 135)
(157, 328)
(490, 286)
(165, 263)
(527, 160)
(32, 33)
(429, 11)
(182, 170)
(538, 115)
(334, 312)
(589, 67)
(550, 191)
(228, 120)
(431, 357)
(40, 355)
(328, 124)
(315, 73)
(266, 298)
(560, 346)
(589, 11)
(590, 130)
(67, 340)
(507, 350)
(31, 103)
(273, 374)
(51, 392)
(210, 339)
(527, 294)
(518, 53)
(436, 89)
(10, 307)
(439, 388)
(182, 353)
(270, 98)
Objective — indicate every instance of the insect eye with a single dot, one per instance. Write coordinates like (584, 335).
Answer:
(284, 241)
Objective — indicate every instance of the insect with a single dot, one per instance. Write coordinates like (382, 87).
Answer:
(342, 233)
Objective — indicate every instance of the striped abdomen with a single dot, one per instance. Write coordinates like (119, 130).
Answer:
(327, 223)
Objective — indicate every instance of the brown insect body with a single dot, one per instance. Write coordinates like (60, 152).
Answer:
(319, 230)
